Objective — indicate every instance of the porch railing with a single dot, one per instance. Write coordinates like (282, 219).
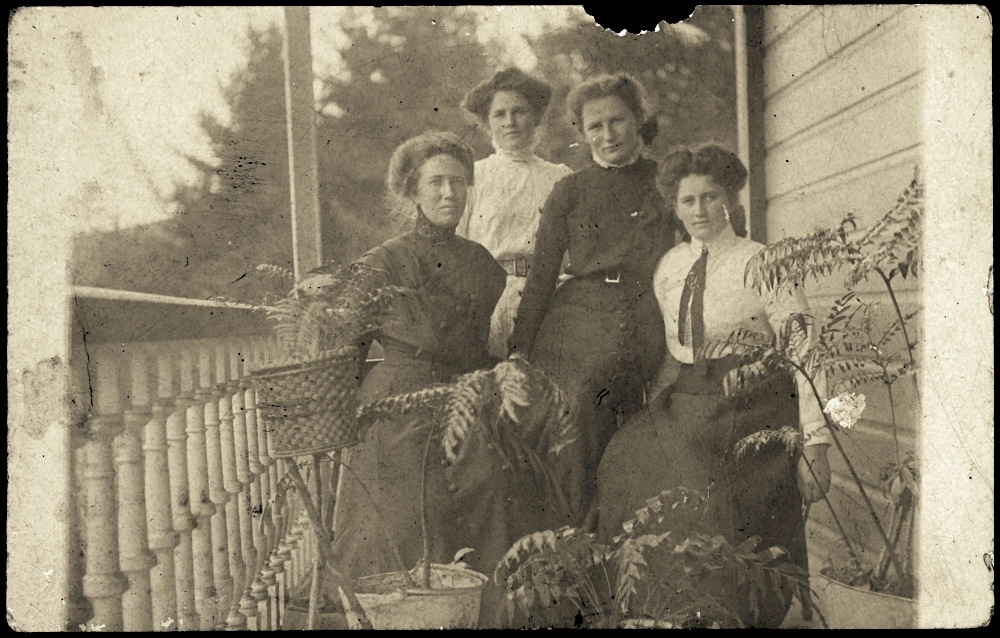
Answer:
(174, 481)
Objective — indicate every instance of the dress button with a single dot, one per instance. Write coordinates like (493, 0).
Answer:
(623, 326)
(444, 324)
(622, 343)
(444, 462)
(452, 488)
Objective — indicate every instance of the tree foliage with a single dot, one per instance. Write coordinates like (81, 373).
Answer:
(405, 70)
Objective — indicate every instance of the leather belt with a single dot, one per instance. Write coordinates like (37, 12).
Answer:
(518, 265)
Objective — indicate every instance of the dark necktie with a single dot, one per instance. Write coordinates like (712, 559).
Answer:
(694, 295)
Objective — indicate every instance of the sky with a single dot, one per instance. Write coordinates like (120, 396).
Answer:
(106, 100)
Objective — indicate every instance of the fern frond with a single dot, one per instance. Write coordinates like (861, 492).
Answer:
(793, 260)
(435, 398)
(892, 245)
(850, 364)
(277, 272)
(789, 438)
(512, 383)
(464, 407)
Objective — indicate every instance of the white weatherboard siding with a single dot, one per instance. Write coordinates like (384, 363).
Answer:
(855, 99)
(843, 133)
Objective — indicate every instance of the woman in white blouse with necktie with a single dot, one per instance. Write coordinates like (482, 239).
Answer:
(685, 436)
(512, 184)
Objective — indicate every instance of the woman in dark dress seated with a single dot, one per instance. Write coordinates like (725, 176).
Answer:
(437, 330)
(685, 437)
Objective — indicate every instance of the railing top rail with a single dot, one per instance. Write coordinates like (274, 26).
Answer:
(89, 292)
(103, 315)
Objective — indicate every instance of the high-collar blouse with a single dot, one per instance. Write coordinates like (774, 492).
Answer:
(502, 210)
(729, 305)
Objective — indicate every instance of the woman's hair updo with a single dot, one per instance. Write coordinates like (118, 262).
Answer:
(479, 100)
(622, 86)
(409, 157)
(719, 163)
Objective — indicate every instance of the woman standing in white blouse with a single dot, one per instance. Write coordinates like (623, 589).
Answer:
(512, 185)
(684, 438)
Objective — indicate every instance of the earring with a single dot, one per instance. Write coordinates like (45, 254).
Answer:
(727, 212)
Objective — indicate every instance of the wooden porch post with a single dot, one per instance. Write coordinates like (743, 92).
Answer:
(303, 169)
(749, 50)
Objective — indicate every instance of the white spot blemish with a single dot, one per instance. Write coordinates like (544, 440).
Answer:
(166, 623)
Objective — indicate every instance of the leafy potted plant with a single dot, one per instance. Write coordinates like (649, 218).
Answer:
(306, 395)
(857, 344)
(436, 595)
(600, 581)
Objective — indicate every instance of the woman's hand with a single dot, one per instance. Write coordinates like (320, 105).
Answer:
(815, 483)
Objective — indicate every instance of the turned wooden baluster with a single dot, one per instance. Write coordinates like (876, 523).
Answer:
(250, 607)
(247, 605)
(259, 588)
(269, 489)
(228, 407)
(103, 583)
(200, 502)
(136, 560)
(180, 496)
(211, 374)
(159, 521)
(278, 555)
(297, 544)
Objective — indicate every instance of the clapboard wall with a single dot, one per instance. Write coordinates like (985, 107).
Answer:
(839, 121)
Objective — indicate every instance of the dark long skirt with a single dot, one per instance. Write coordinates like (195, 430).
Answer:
(602, 342)
(475, 504)
(684, 439)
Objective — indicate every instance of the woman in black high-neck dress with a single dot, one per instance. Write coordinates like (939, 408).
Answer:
(599, 332)
(430, 337)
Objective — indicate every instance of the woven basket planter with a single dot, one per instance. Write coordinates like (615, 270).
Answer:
(308, 406)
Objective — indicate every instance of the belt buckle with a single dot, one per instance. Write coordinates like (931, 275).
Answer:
(616, 280)
(520, 267)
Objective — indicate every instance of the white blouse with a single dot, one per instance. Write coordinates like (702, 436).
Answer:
(729, 306)
(503, 208)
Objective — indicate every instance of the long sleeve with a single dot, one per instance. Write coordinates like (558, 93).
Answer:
(551, 243)
(781, 305)
(470, 205)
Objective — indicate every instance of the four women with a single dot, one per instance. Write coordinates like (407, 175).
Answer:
(600, 325)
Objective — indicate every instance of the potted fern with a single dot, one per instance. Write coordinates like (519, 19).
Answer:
(492, 404)
(601, 581)
(859, 343)
(306, 395)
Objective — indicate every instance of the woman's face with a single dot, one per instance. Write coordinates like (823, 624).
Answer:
(610, 129)
(441, 190)
(701, 206)
(511, 122)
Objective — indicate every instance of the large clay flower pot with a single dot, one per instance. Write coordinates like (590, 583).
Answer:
(848, 607)
(451, 603)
